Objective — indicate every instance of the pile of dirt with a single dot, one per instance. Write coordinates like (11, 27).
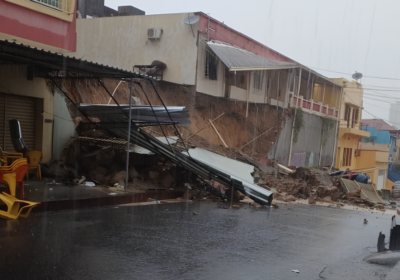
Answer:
(106, 166)
(313, 185)
(239, 125)
(303, 184)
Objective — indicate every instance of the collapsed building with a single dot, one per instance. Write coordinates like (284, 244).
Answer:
(267, 107)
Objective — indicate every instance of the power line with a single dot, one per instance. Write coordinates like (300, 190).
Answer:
(372, 114)
(353, 73)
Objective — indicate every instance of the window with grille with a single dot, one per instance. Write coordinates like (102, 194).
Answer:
(356, 115)
(211, 65)
(347, 155)
(351, 115)
(258, 80)
(63, 5)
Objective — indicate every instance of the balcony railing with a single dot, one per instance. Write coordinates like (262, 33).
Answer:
(62, 5)
(313, 108)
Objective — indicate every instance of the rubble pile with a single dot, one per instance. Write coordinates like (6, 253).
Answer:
(106, 166)
(315, 186)
(303, 184)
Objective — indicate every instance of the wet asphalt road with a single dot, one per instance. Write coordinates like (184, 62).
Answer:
(168, 241)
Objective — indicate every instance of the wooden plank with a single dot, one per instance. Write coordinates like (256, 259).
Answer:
(220, 137)
(205, 126)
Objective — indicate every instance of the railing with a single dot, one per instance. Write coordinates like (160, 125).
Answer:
(62, 5)
(314, 108)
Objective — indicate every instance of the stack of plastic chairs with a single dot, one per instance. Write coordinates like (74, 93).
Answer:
(12, 175)
(4, 156)
(20, 167)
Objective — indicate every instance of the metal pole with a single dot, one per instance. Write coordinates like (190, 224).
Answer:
(337, 132)
(293, 122)
(129, 136)
(232, 190)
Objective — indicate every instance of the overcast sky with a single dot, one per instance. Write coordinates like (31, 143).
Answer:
(336, 35)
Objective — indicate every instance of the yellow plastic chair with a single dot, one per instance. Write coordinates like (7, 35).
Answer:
(14, 165)
(28, 208)
(11, 180)
(34, 159)
(13, 208)
(4, 156)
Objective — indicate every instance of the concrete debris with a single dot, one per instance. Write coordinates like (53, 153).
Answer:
(90, 184)
(312, 200)
(384, 258)
(119, 186)
(236, 194)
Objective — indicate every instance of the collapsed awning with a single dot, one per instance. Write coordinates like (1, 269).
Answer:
(140, 113)
(237, 59)
(117, 124)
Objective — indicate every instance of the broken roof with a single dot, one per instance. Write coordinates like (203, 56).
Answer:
(46, 61)
(140, 113)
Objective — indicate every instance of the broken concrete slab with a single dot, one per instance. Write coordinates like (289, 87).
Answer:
(384, 258)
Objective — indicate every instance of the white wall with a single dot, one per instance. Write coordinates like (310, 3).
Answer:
(64, 128)
(122, 42)
(204, 84)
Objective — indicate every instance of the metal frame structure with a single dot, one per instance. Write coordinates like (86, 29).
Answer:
(55, 66)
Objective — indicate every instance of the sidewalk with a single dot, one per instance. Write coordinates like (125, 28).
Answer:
(55, 197)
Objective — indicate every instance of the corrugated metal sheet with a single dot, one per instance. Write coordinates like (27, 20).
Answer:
(140, 113)
(23, 109)
(237, 59)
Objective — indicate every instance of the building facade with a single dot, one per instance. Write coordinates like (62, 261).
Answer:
(350, 133)
(45, 25)
(200, 52)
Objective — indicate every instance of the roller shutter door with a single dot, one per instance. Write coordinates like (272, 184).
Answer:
(2, 119)
(23, 109)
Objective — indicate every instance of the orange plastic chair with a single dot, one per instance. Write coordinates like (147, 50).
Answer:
(14, 207)
(34, 159)
(19, 172)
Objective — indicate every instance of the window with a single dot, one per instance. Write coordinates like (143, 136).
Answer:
(62, 9)
(51, 3)
(351, 115)
(356, 116)
(258, 80)
(347, 155)
(347, 113)
(211, 65)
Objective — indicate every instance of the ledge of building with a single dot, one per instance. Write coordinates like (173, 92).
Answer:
(354, 132)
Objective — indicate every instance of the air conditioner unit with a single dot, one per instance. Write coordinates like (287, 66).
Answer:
(390, 159)
(357, 153)
(154, 33)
